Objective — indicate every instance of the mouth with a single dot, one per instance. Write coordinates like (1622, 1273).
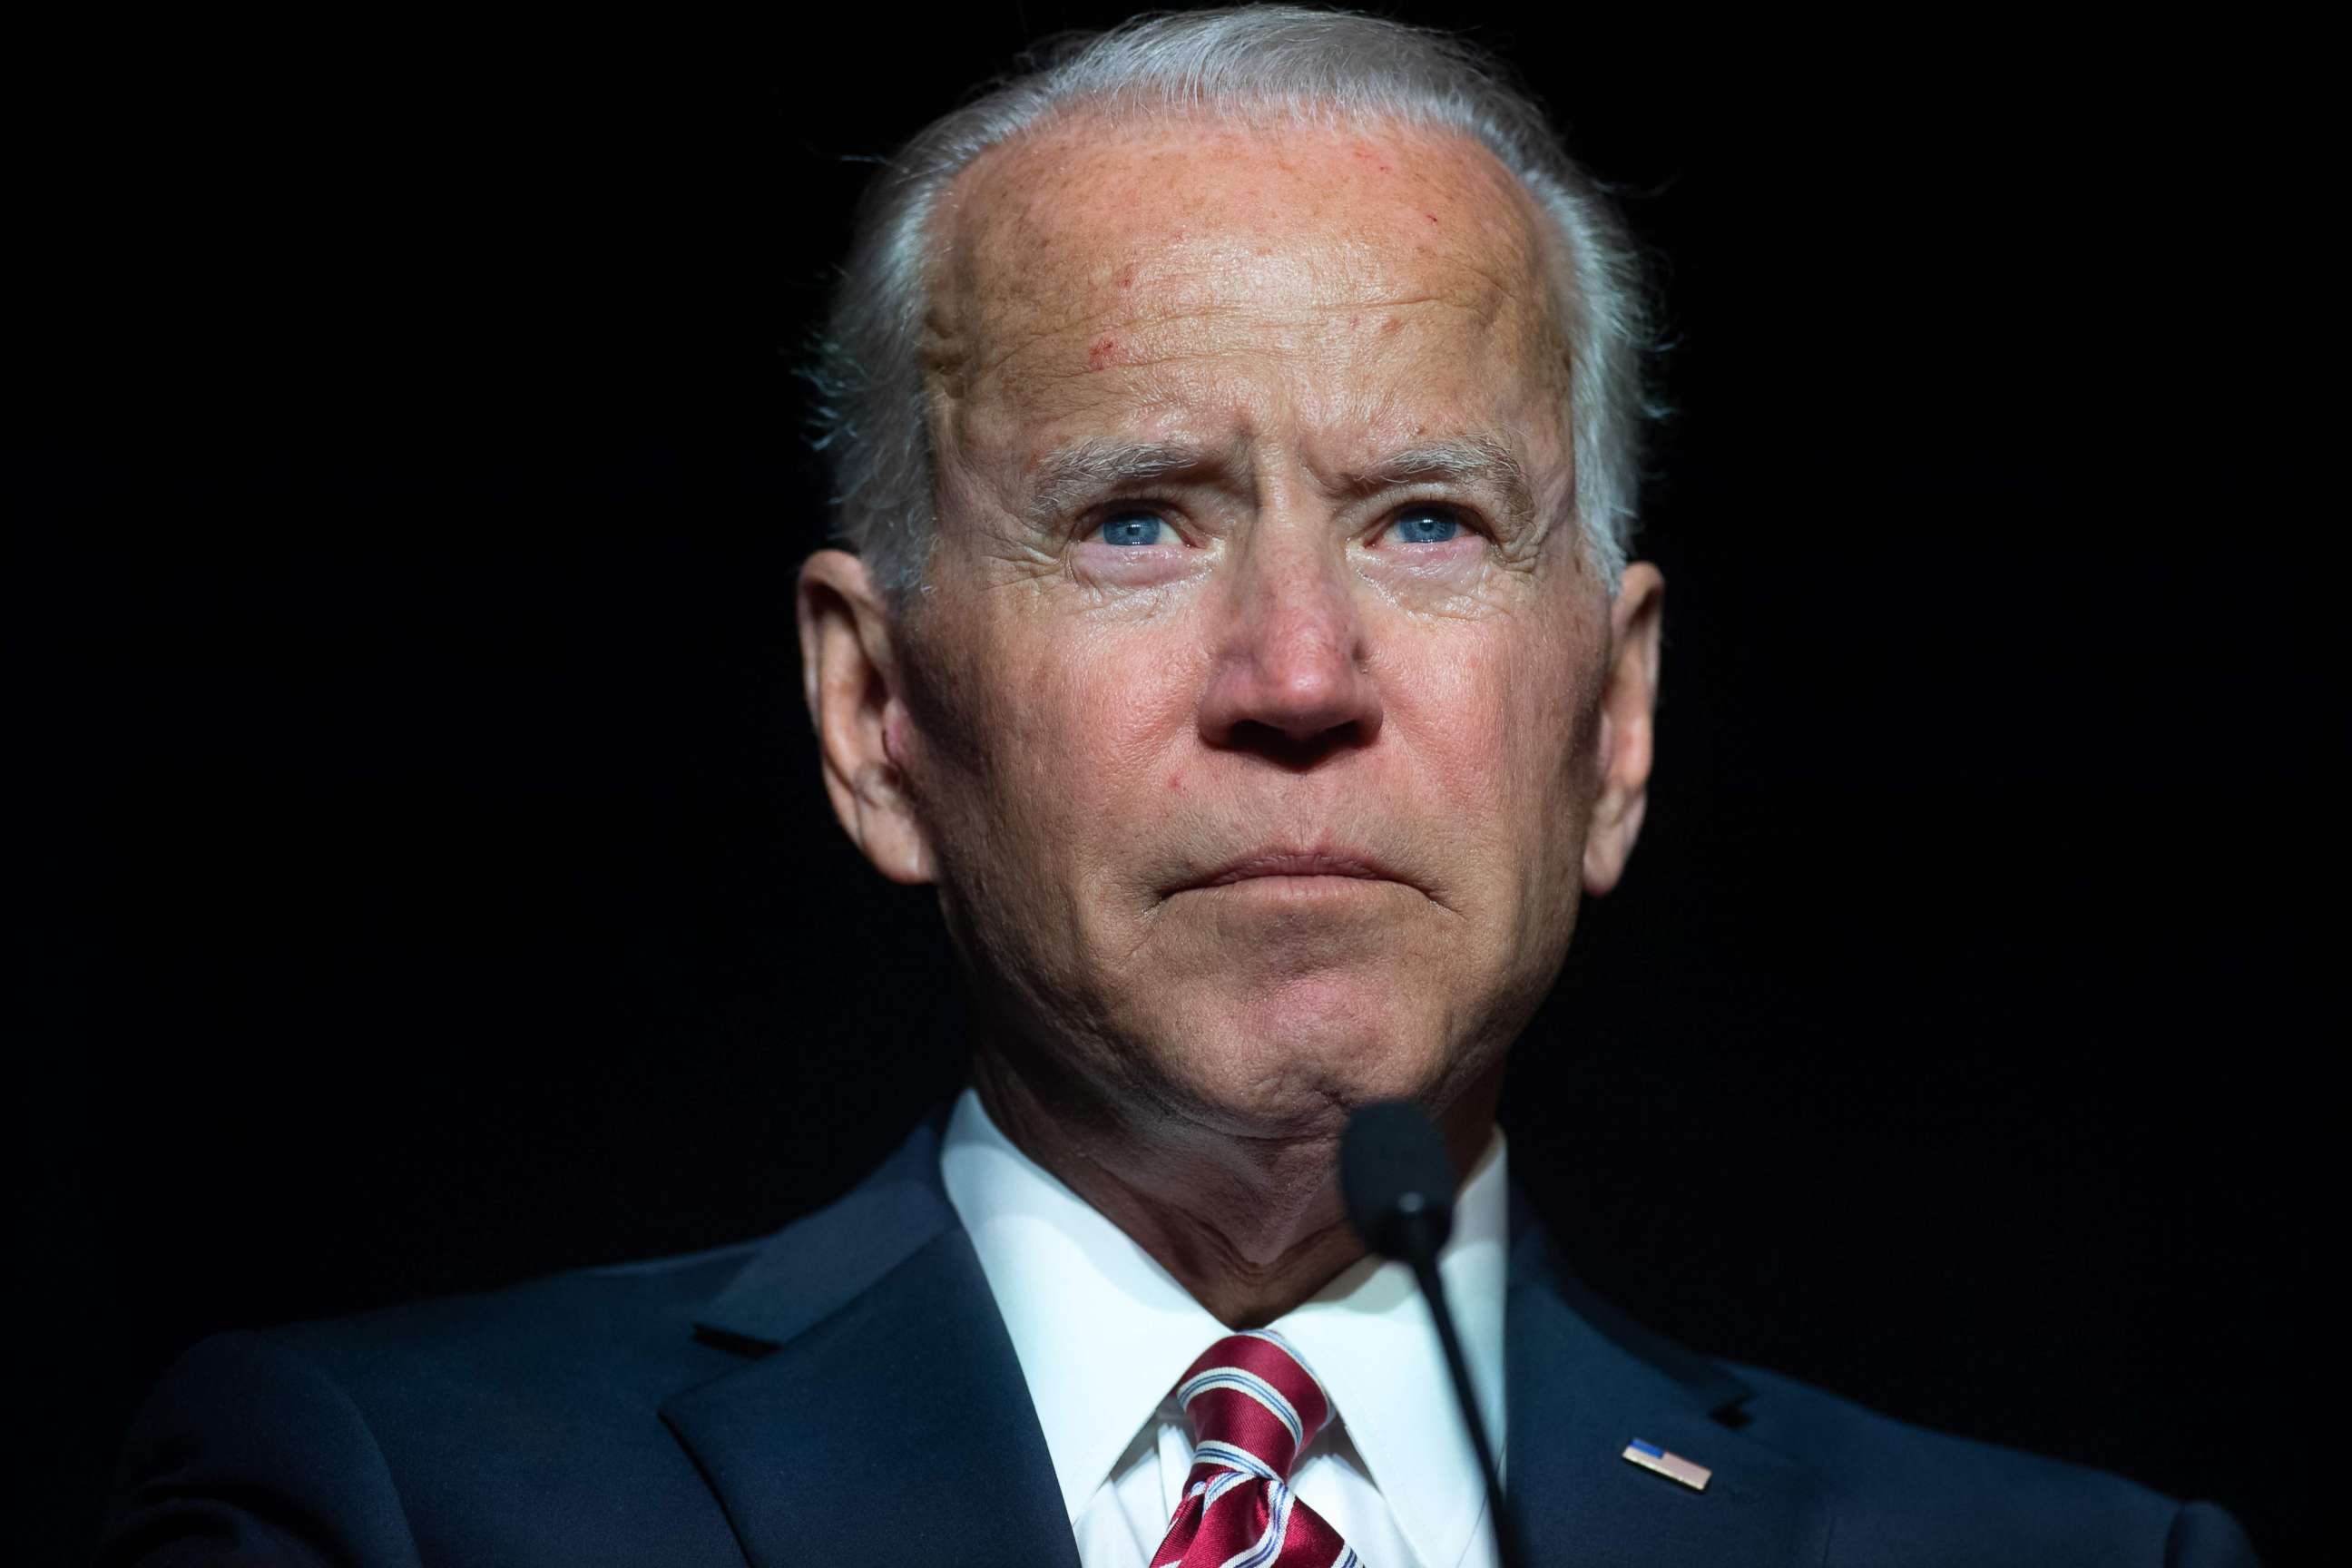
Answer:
(1265, 864)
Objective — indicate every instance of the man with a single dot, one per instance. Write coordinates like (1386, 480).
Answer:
(1237, 424)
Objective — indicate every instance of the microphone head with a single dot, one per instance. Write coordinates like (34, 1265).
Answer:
(1396, 1179)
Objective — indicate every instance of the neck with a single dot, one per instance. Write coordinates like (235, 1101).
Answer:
(1250, 1225)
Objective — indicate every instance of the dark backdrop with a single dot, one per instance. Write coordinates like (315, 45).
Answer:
(426, 881)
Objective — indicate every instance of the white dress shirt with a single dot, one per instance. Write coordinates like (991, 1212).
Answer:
(1103, 1332)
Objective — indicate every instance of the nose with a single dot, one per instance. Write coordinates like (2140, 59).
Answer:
(1289, 679)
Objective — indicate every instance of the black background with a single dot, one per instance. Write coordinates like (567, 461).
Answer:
(426, 881)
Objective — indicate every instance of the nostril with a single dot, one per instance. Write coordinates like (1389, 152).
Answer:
(1295, 749)
(1294, 689)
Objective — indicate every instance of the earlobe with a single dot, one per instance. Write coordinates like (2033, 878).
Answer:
(849, 677)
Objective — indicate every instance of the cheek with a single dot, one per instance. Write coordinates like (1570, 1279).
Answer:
(1498, 704)
(1070, 731)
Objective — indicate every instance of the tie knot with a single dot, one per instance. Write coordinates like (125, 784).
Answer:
(1251, 1393)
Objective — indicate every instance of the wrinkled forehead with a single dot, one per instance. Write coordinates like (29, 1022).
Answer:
(1361, 278)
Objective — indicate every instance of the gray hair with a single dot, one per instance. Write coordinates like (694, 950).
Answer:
(1255, 64)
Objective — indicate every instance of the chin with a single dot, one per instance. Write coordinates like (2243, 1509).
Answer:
(1302, 1054)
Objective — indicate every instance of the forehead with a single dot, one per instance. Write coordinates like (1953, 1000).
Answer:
(1202, 278)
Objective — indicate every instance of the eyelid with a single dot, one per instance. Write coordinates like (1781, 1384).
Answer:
(1094, 518)
(1468, 513)
(1091, 520)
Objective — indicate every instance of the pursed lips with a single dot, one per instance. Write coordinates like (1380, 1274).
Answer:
(1328, 870)
(1296, 863)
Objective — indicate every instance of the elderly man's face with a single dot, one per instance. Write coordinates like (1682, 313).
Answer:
(1261, 717)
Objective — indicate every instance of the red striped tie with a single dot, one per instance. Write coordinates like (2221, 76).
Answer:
(1254, 1407)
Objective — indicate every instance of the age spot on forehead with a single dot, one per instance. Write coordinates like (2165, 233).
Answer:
(1215, 264)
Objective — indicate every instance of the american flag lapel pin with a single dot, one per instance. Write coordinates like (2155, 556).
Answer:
(1674, 1467)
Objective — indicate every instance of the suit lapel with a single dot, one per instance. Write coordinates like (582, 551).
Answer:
(1585, 1381)
(882, 1411)
(880, 1408)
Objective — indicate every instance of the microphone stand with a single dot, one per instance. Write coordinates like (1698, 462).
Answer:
(1415, 1228)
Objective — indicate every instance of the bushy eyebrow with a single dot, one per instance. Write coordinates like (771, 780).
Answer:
(1074, 475)
(1068, 478)
(1481, 462)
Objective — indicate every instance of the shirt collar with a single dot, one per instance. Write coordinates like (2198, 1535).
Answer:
(1102, 1332)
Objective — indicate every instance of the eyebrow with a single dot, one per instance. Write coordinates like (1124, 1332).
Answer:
(1481, 462)
(1070, 477)
(1074, 475)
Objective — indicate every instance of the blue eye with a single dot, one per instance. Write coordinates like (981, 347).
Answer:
(1133, 528)
(1427, 526)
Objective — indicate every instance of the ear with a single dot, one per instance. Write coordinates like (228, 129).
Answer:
(1629, 703)
(849, 673)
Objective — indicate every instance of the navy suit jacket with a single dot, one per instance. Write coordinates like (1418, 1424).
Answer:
(844, 1393)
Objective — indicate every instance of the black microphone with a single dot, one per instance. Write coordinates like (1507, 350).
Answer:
(1398, 1183)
